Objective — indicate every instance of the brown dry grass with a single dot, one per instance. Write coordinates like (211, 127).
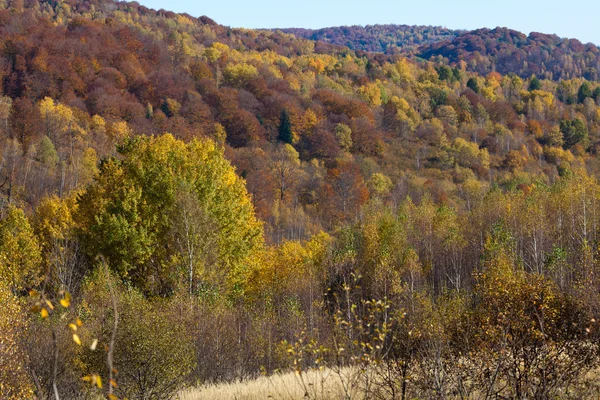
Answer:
(290, 386)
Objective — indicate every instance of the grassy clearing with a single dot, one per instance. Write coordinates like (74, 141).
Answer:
(290, 386)
(329, 385)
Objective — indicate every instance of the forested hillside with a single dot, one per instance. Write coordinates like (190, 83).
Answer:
(389, 39)
(184, 203)
(507, 51)
(483, 50)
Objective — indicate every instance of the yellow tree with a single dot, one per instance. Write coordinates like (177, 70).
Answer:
(5, 108)
(371, 93)
(64, 130)
(20, 255)
(284, 167)
(56, 229)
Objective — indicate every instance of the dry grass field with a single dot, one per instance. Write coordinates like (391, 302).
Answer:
(290, 386)
(328, 385)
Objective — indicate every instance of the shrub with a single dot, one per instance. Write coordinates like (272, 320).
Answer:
(153, 352)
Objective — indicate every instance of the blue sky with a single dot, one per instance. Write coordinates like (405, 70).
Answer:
(575, 18)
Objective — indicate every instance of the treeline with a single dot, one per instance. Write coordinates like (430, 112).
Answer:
(507, 51)
(389, 39)
(482, 51)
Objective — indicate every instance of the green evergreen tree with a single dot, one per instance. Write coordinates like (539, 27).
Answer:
(596, 93)
(285, 127)
(445, 73)
(456, 74)
(535, 83)
(473, 85)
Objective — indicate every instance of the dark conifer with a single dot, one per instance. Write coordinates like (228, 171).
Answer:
(285, 127)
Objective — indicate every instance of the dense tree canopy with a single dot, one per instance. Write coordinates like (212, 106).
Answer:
(388, 39)
(416, 217)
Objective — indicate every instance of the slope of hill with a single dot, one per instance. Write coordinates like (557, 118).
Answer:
(390, 39)
(147, 72)
(396, 213)
(483, 50)
(508, 51)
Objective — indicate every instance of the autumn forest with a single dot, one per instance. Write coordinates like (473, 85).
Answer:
(411, 209)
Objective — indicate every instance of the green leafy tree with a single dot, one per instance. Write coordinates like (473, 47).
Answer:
(445, 73)
(171, 107)
(574, 132)
(153, 353)
(596, 93)
(47, 153)
(153, 350)
(343, 134)
(126, 213)
(584, 92)
(380, 184)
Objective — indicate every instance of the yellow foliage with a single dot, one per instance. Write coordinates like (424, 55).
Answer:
(515, 159)
(292, 264)
(59, 119)
(239, 74)
(119, 131)
(275, 71)
(557, 155)
(20, 255)
(183, 20)
(89, 166)
(380, 184)
(98, 123)
(220, 46)
(214, 52)
(53, 219)
(371, 93)
(488, 93)
(546, 98)
(405, 113)
(406, 71)
(294, 82)
(307, 122)
(468, 154)
(14, 379)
